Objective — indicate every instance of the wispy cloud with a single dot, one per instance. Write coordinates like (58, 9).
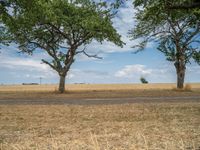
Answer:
(130, 71)
(23, 66)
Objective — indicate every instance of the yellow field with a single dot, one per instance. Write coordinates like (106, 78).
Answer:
(82, 91)
(97, 87)
(139, 126)
(111, 127)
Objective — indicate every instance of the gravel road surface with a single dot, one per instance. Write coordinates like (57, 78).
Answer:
(109, 101)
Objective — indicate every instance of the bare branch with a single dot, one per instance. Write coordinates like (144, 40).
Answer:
(192, 35)
(48, 63)
(88, 55)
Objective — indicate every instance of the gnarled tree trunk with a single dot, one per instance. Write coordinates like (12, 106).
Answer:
(61, 88)
(69, 59)
(180, 71)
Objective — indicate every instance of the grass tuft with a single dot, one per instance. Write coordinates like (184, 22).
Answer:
(187, 88)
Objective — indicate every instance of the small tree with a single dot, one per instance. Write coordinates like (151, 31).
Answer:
(143, 80)
(60, 28)
(175, 31)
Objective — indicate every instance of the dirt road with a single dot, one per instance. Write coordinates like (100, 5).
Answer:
(169, 99)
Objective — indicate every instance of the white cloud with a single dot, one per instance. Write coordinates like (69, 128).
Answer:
(24, 66)
(161, 73)
(130, 71)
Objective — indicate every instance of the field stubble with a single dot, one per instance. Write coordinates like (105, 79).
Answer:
(94, 87)
(150, 126)
(134, 126)
(83, 91)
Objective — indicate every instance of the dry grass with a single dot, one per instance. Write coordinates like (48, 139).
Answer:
(94, 87)
(135, 126)
(67, 127)
(93, 91)
(187, 88)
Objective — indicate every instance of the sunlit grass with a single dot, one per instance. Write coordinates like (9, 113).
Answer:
(92, 87)
(82, 91)
(135, 126)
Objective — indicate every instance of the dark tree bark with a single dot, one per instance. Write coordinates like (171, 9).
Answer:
(180, 71)
(62, 84)
(69, 59)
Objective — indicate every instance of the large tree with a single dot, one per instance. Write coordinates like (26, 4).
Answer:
(60, 28)
(176, 33)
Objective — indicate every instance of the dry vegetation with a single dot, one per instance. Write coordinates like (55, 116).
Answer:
(82, 91)
(94, 87)
(135, 126)
(148, 126)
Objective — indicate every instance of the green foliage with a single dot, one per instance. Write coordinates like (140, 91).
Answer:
(5, 37)
(196, 57)
(143, 80)
(60, 28)
(48, 25)
(175, 31)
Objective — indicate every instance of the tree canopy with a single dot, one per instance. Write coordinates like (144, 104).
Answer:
(60, 28)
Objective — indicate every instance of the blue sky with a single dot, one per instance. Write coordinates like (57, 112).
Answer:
(119, 65)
